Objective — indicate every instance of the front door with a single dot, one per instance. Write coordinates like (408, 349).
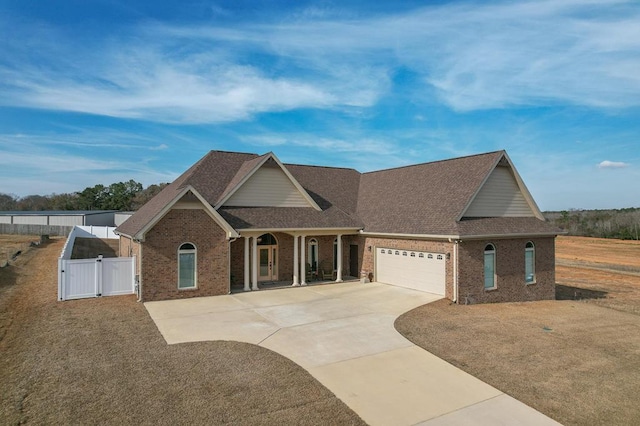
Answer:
(267, 258)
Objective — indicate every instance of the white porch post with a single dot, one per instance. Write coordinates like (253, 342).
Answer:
(339, 255)
(247, 269)
(295, 261)
(254, 260)
(303, 262)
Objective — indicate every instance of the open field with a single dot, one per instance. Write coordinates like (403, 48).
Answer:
(576, 360)
(98, 361)
(605, 271)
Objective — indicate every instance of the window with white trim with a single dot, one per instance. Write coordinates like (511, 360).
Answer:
(187, 266)
(489, 267)
(530, 263)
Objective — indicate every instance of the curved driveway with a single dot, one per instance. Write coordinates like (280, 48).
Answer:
(343, 334)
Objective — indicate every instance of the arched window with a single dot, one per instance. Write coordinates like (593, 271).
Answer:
(187, 266)
(489, 267)
(530, 263)
(313, 254)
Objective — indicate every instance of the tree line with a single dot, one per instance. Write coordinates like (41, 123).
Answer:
(623, 224)
(123, 196)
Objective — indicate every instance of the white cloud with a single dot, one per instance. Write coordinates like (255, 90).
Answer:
(606, 164)
(476, 56)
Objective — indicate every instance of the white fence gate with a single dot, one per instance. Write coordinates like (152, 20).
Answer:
(82, 278)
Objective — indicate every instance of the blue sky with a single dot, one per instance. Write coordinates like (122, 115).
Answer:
(105, 91)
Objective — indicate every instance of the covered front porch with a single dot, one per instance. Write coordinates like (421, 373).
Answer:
(278, 258)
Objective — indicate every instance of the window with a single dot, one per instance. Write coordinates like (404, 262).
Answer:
(404, 253)
(489, 267)
(335, 254)
(429, 256)
(187, 266)
(413, 254)
(382, 251)
(421, 255)
(397, 253)
(530, 263)
(313, 254)
(439, 257)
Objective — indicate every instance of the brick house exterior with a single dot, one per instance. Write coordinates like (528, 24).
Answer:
(235, 222)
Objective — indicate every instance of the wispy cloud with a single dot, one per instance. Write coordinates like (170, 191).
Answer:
(475, 56)
(606, 164)
(45, 164)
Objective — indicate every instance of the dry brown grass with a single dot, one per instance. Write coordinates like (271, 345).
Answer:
(578, 361)
(10, 244)
(103, 361)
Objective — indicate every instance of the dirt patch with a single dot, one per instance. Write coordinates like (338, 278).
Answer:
(103, 361)
(576, 359)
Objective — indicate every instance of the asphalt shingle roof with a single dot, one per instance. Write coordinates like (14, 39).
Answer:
(420, 199)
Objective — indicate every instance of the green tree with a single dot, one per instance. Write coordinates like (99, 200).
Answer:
(8, 202)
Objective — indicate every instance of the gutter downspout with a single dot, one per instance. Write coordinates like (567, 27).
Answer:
(140, 270)
(455, 270)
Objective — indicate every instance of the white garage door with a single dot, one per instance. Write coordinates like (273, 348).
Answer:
(412, 269)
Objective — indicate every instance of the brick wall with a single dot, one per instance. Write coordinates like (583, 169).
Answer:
(510, 267)
(160, 256)
(444, 247)
(129, 248)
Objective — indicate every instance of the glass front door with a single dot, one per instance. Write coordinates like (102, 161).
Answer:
(268, 263)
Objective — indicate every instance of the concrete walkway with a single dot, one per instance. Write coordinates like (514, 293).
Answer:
(343, 334)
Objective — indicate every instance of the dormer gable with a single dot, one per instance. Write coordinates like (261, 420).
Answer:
(267, 184)
(502, 194)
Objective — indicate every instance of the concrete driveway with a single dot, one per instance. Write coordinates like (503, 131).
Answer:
(343, 334)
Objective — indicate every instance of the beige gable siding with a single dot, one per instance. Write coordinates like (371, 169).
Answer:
(500, 197)
(267, 187)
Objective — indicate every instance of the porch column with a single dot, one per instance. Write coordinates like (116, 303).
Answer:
(247, 269)
(339, 255)
(303, 262)
(254, 260)
(295, 261)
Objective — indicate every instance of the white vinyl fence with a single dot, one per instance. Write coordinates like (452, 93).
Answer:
(82, 278)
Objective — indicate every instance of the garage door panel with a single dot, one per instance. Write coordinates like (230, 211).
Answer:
(423, 271)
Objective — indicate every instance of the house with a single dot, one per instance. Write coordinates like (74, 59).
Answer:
(465, 228)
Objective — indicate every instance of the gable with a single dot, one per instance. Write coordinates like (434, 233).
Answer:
(186, 198)
(500, 196)
(268, 186)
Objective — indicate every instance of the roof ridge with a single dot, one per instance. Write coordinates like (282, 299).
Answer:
(501, 151)
(321, 167)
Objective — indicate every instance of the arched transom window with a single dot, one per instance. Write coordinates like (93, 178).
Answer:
(489, 267)
(187, 266)
(530, 263)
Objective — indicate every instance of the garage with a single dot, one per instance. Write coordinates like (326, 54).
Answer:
(417, 270)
